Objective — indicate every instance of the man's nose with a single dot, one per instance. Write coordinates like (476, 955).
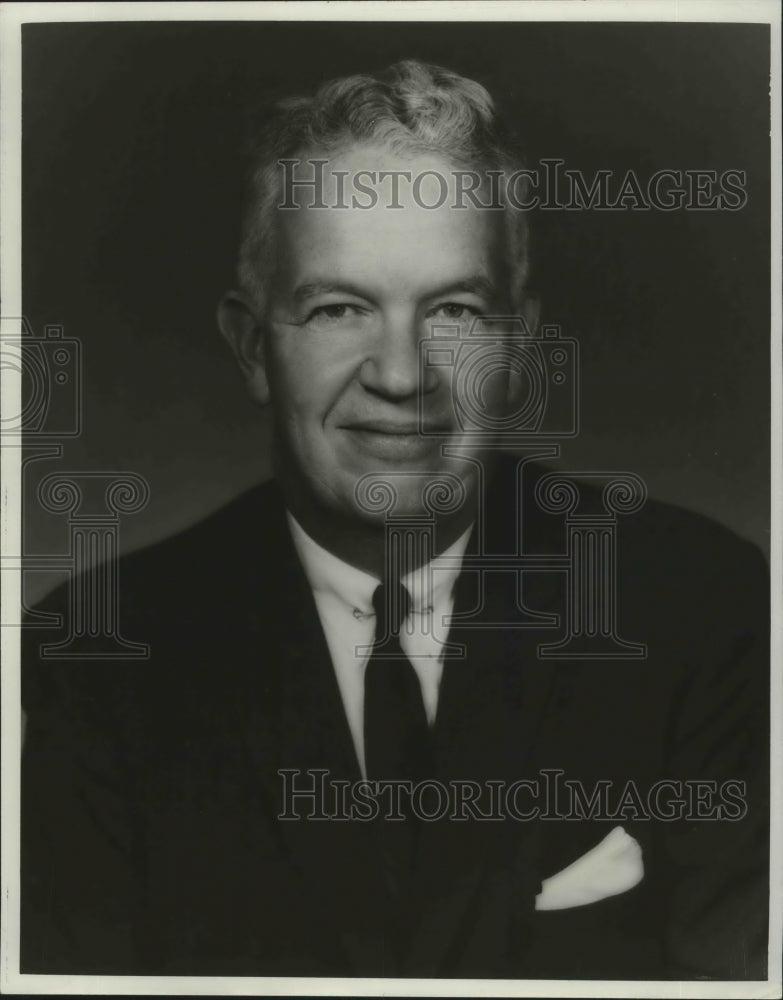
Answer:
(392, 368)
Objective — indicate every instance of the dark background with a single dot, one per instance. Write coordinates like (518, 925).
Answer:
(130, 132)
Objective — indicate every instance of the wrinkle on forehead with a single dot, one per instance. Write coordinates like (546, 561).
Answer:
(410, 249)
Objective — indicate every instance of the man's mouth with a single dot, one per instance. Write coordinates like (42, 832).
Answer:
(399, 428)
(395, 439)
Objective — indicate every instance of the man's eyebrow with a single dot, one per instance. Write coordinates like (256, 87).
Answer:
(476, 284)
(310, 289)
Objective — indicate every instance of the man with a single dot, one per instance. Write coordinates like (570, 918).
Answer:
(187, 815)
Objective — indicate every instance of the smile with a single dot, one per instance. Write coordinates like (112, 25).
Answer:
(394, 439)
(380, 425)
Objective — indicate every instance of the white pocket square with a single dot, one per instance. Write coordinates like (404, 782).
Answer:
(611, 867)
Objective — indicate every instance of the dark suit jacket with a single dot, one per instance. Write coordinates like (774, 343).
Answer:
(150, 837)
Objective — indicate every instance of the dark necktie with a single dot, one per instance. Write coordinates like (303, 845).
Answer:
(396, 744)
(396, 734)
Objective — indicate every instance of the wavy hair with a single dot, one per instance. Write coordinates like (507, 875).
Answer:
(409, 107)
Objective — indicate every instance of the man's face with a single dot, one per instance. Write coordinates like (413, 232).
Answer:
(354, 294)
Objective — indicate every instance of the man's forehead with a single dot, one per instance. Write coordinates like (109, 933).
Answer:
(318, 253)
(401, 242)
(379, 176)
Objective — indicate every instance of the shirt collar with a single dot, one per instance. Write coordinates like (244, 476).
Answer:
(326, 573)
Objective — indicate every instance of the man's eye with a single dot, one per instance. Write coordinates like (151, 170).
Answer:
(332, 312)
(454, 310)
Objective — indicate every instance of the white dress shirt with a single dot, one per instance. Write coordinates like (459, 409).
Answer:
(343, 596)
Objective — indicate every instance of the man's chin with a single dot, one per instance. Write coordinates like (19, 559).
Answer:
(410, 493)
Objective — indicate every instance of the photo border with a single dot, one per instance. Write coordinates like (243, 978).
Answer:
(12, 17)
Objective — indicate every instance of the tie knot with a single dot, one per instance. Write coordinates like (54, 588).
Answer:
(392, 603)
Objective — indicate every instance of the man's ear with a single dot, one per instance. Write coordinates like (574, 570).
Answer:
(529, 309)
(244, 332)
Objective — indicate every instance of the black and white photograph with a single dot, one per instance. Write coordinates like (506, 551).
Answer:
(391, 498)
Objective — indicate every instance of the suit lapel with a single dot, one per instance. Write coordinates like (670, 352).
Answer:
(294, 716)
(315, 727)
(492, 705)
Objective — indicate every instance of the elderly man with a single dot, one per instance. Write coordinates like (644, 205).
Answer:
(331, 660)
